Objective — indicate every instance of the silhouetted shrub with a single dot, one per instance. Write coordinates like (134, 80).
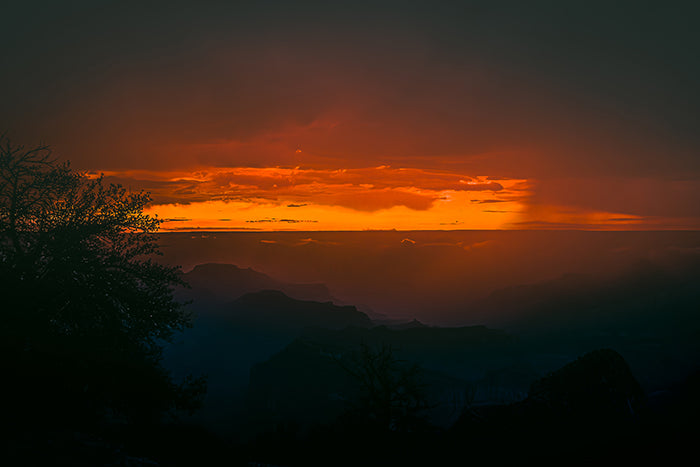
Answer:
(86, 308)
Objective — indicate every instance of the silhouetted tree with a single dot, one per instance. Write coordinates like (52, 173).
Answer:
(86, 308)
(597, 385)
(391, 392)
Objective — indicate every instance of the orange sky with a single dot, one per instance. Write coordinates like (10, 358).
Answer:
(369, 115)
(344, 199)
(376, 198)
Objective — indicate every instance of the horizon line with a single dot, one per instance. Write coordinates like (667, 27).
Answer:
(256, 231)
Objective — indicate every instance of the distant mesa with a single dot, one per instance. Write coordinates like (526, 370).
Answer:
(253, 298)
(272, 308)
(220, 283)
(235, 328)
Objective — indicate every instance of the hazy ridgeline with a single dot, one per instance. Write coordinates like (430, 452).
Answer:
(439, 277)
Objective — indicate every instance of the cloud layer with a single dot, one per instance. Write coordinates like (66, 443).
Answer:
(594, 104)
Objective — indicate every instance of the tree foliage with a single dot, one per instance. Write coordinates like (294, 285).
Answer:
(392, 395)
(87, 306)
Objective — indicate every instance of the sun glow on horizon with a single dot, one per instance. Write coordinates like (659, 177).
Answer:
(453, 211)
(375, 198)
(355, 199)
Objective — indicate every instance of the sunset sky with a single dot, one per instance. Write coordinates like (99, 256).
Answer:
(369, 115)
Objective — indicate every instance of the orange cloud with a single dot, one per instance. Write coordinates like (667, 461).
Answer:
(363, 189)
(380, 197)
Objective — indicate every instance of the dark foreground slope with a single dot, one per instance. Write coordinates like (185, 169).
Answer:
(592, 410)
(313, 379)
